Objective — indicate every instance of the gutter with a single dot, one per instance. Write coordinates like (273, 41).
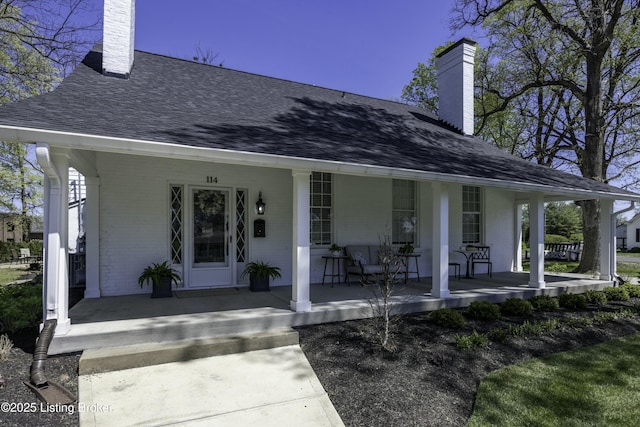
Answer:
(51, 230)
(170, 150)
(613, 254)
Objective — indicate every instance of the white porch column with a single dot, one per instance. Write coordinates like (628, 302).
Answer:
(517, 254)
(92, 230)
(301, 275)
(607, 240)
(536, 239)
(440, 279)
(56, 210)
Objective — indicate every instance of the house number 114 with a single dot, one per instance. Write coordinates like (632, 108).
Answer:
(212, 180)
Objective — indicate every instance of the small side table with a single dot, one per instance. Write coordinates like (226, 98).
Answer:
(335, 272)
(408, 270)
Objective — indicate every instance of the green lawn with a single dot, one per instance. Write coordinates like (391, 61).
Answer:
(10, 275)
(593, 386)
(624, 269)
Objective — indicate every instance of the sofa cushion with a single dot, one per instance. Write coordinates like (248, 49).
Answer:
(359, 253)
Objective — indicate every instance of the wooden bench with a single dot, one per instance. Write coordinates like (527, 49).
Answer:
(563, 251)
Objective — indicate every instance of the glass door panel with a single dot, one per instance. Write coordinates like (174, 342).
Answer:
(210, 228)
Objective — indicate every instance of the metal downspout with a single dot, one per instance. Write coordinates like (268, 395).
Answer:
(53, 190)
(613, 254)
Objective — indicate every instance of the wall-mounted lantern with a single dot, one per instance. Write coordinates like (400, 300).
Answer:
(260, 205)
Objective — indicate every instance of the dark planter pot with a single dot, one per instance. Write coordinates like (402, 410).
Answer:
(163, 289)
(258, 284)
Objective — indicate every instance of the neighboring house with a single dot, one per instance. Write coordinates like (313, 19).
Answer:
(633, 232)
(11, 228)
(175, 155)
(77, 192)
(621, 236)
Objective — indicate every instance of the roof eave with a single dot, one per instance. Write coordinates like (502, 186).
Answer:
(175, 151)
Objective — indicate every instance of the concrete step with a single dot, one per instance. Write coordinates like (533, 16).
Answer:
(108, 359)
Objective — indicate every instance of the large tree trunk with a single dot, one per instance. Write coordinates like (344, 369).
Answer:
(591, 164)
(590, 259)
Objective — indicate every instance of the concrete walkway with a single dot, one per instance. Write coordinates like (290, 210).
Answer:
(270, 387)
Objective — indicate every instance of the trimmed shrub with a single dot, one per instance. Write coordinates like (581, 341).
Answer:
(616, 294)
(634, 250)
(20, 306)
(595, 297)
(498, 335)
(544, 303)
(474, 340)
(516, 307)
(483, 310)
(572, 300)
(555, 238)
(632, 290)
(448, 318)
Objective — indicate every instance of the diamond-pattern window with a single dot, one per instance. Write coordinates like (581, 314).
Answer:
(241, 225)
(176, 224)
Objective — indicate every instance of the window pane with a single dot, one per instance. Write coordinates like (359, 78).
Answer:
(403, 215)
(471, 216)
(321, 205)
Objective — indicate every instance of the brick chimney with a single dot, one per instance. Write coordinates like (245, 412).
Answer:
(455, 85)
(117, 37)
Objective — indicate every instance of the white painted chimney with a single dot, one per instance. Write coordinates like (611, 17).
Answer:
(117, 37)
(455, 85)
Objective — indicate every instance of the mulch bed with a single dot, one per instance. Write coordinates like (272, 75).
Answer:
(427, 381)
(18, 405)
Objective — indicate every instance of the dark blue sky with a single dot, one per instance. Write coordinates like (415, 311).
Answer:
(369, 47)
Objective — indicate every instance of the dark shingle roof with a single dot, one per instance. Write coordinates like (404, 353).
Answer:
(186, 103)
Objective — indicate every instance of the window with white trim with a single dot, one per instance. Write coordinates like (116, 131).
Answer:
(403, 212)
(471, 214)
(321, 202)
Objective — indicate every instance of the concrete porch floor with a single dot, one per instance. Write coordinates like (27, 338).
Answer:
(199, 314)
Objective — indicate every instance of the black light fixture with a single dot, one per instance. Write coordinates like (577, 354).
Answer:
(260, 204)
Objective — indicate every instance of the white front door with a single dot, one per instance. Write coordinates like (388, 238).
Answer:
(211, 246)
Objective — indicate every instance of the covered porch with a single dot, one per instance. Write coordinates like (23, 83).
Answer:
(137, 319)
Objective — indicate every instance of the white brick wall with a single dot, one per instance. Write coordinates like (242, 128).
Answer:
(118, 36)
(134, 199)
(455, 86)
(134, 216)
(500, 227)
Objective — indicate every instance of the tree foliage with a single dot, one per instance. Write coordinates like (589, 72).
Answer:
(558, 83)
(40, 40)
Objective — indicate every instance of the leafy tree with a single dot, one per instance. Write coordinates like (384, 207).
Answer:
(559, 84)
(20, 183)
(563, 219)
(61, 31)
(39, 42)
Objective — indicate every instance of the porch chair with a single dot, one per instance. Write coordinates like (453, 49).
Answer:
(482, 255)
(25, 255)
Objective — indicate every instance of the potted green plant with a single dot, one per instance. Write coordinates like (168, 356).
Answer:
(161, 277)
(259, 275)
(335, 249)
(406, 249)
